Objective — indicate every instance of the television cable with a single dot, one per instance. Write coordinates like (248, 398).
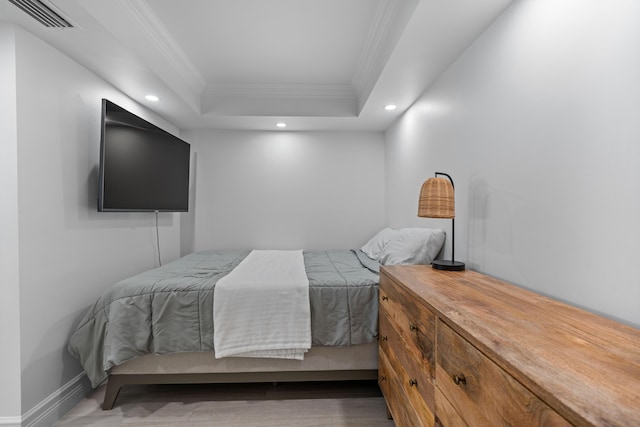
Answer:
(158, 239)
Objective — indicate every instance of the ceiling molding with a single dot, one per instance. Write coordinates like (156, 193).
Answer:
(378, 31)
(279, 100)
(159, 36)
(388, 24)
(280, 91)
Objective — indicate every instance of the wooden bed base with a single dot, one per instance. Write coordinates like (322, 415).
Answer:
(116, 382)
(321, 364)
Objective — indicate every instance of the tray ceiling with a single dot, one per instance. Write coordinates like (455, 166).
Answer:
(318, 64)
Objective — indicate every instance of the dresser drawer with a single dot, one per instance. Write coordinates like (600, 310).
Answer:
(402, 394)
(403, 414)
(385, 375)
(417, 379)
(446, 415)
(480, 391)
(412, 320)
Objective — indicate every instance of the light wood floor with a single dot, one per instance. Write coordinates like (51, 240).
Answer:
(318, 404)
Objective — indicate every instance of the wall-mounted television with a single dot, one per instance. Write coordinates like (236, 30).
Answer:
(142, 167)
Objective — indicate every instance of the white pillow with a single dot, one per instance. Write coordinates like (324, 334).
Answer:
(374, 247)
(412, 246)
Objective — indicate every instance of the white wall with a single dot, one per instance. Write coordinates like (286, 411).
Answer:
(538, 123)
(283, 190)
(10, 409)
(68, 253)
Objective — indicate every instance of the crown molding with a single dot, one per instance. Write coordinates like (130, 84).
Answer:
(390, 19)
(378, 31)
(161, 39)
(255, 90)
(279, 100)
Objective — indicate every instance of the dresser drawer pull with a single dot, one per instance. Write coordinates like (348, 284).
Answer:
(384, 338)
(384, 297)
(459, 379)
(413, 383)
(383, 378)
(413, 327)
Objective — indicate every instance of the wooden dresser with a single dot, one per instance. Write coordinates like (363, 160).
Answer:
(464, 349)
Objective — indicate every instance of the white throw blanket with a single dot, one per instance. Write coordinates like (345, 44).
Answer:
(261, 308)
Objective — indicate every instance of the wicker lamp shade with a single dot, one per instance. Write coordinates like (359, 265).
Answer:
(436, 199)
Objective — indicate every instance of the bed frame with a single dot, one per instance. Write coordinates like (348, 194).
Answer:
(358, 362)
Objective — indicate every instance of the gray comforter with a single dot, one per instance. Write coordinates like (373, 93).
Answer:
(170, 309)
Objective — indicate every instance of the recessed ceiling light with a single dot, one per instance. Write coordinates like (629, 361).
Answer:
(281, 125)
(151, 98)
(390, 107)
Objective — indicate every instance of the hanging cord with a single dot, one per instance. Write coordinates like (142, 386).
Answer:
(158, 239)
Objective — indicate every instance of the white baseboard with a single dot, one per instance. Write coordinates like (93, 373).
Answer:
(58, 403)
(10, 421)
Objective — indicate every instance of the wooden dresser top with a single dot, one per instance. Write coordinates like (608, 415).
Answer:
(585, 366)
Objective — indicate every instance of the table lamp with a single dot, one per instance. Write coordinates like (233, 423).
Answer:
(437, 201)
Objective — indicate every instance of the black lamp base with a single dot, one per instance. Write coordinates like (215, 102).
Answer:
(442, 264)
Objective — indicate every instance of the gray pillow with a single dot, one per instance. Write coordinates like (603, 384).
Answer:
(412, 246)
(376, 244)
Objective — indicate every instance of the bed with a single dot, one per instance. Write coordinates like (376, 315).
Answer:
(157, 327)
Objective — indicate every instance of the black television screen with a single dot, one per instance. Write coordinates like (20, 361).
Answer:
(142, 167)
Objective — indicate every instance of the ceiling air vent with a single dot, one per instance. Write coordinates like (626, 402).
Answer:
(42, 13)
